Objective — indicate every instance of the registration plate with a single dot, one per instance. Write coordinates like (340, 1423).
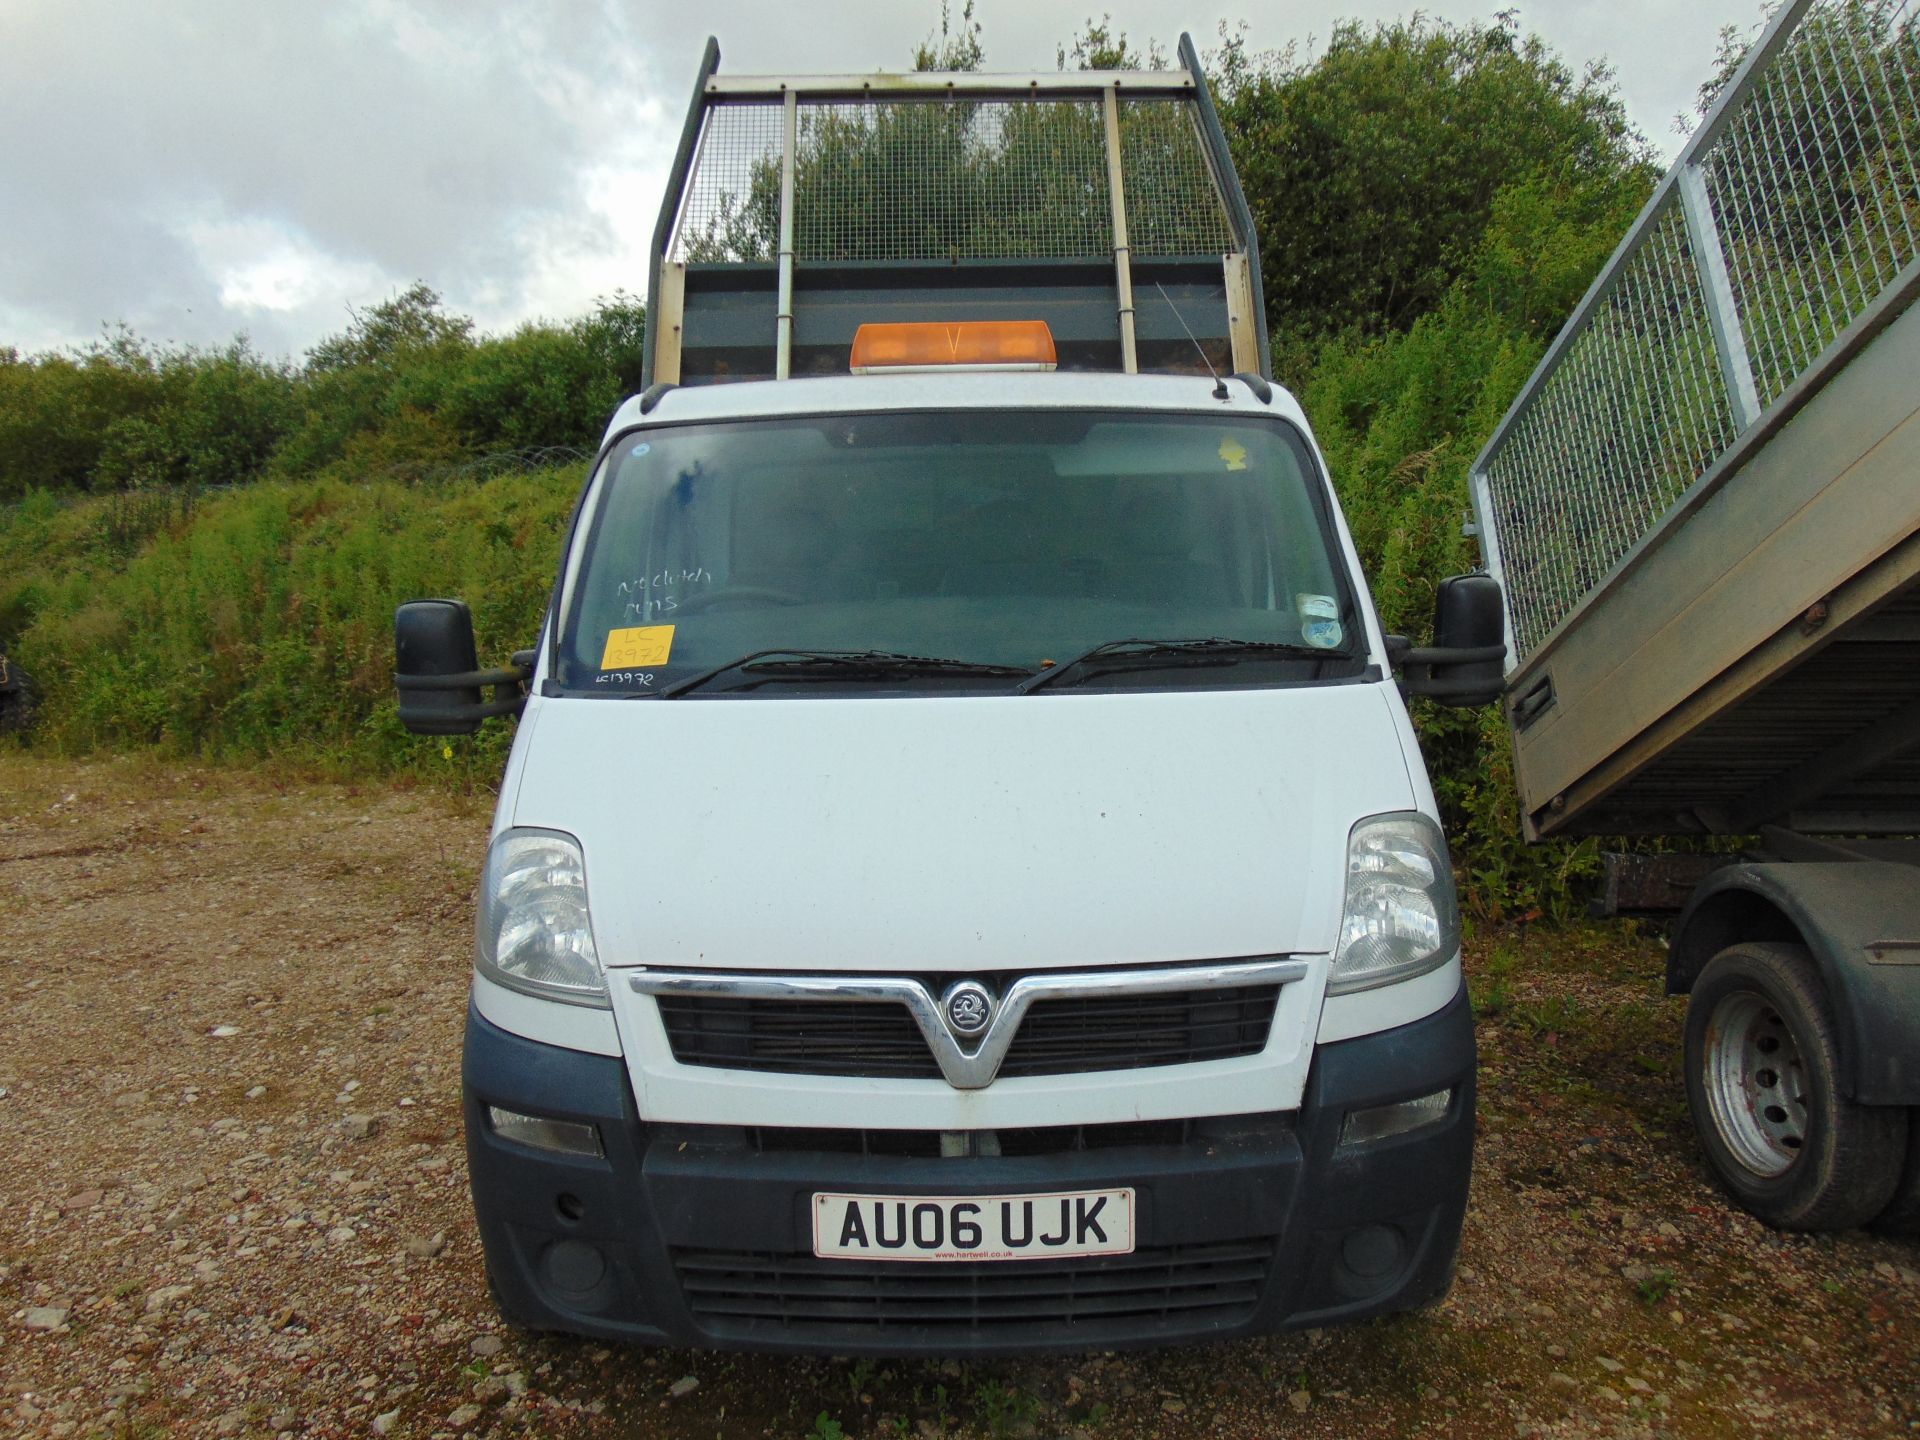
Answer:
(973, 1227)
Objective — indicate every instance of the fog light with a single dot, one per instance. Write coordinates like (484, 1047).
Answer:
(1378, 1122)
(575, 1268)
(1374, 1253)
(563, 1137)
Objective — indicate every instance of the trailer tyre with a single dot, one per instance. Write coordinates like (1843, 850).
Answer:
(1902, 1215)
(1763, 1084)
(18, 701)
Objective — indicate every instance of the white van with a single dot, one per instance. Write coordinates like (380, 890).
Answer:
(965, 880)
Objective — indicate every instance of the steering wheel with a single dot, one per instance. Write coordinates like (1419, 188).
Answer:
(739, 594)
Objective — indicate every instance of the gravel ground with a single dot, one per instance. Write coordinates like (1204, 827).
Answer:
(232, 1198)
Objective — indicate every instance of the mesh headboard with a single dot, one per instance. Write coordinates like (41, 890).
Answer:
(1102, 202)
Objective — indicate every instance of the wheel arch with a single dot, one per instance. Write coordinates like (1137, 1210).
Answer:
(1855, 919)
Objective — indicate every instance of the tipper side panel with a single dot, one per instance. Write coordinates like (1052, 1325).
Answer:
(1703, 505)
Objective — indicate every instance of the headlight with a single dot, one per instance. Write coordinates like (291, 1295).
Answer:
(533, 934)
(1401, 918)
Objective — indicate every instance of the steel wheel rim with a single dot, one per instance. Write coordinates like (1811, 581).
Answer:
(1756, 1083)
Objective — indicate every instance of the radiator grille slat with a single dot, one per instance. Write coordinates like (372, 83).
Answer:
(880, 1040)
(926, 1144)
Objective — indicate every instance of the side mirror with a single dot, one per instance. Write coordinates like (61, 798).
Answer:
(438, 674)
(1463, 666)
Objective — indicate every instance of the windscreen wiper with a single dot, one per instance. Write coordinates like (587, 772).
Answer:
(1210, 650)
(812, 664)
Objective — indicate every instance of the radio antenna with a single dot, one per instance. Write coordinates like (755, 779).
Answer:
(1219, 385)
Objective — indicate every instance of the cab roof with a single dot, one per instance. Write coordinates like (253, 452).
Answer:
(970, 390)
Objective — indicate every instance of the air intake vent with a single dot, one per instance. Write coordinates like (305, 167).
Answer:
(1172, 1290)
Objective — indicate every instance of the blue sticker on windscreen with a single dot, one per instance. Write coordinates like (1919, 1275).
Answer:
(1319, 620)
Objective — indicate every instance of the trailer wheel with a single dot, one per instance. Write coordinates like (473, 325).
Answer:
(17, 704)
(1763, 1085)
(1902, 1215)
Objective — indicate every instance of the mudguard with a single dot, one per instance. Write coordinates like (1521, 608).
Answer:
(1860, 920)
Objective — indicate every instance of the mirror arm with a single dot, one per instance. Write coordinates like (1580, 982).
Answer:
(1418, 665)
(466, 681)
(1445, 654)
(509, 687)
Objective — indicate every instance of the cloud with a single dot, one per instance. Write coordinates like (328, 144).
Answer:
(203, 167)
(235, 161)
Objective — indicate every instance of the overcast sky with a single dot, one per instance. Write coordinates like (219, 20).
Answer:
(198, 168)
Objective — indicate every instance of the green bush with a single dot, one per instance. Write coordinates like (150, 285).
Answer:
(406, 389)
(1373, 171)
(540, 386)
(122, 414)
(56, 410)
(264, 627)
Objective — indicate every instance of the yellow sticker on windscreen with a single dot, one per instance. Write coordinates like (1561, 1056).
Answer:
(636, 646)
(1234, 453)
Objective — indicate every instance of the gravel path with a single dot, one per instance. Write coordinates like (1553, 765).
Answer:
(232, 1194)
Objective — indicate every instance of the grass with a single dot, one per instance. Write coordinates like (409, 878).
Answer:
(1554, 1015)
(262, 627)
(1005, 1409)
(1491, 986)
(1655, 1288)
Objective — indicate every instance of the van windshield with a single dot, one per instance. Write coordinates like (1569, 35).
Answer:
(1007, 540)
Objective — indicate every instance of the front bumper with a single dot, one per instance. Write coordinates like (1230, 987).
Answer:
(700, 1235)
